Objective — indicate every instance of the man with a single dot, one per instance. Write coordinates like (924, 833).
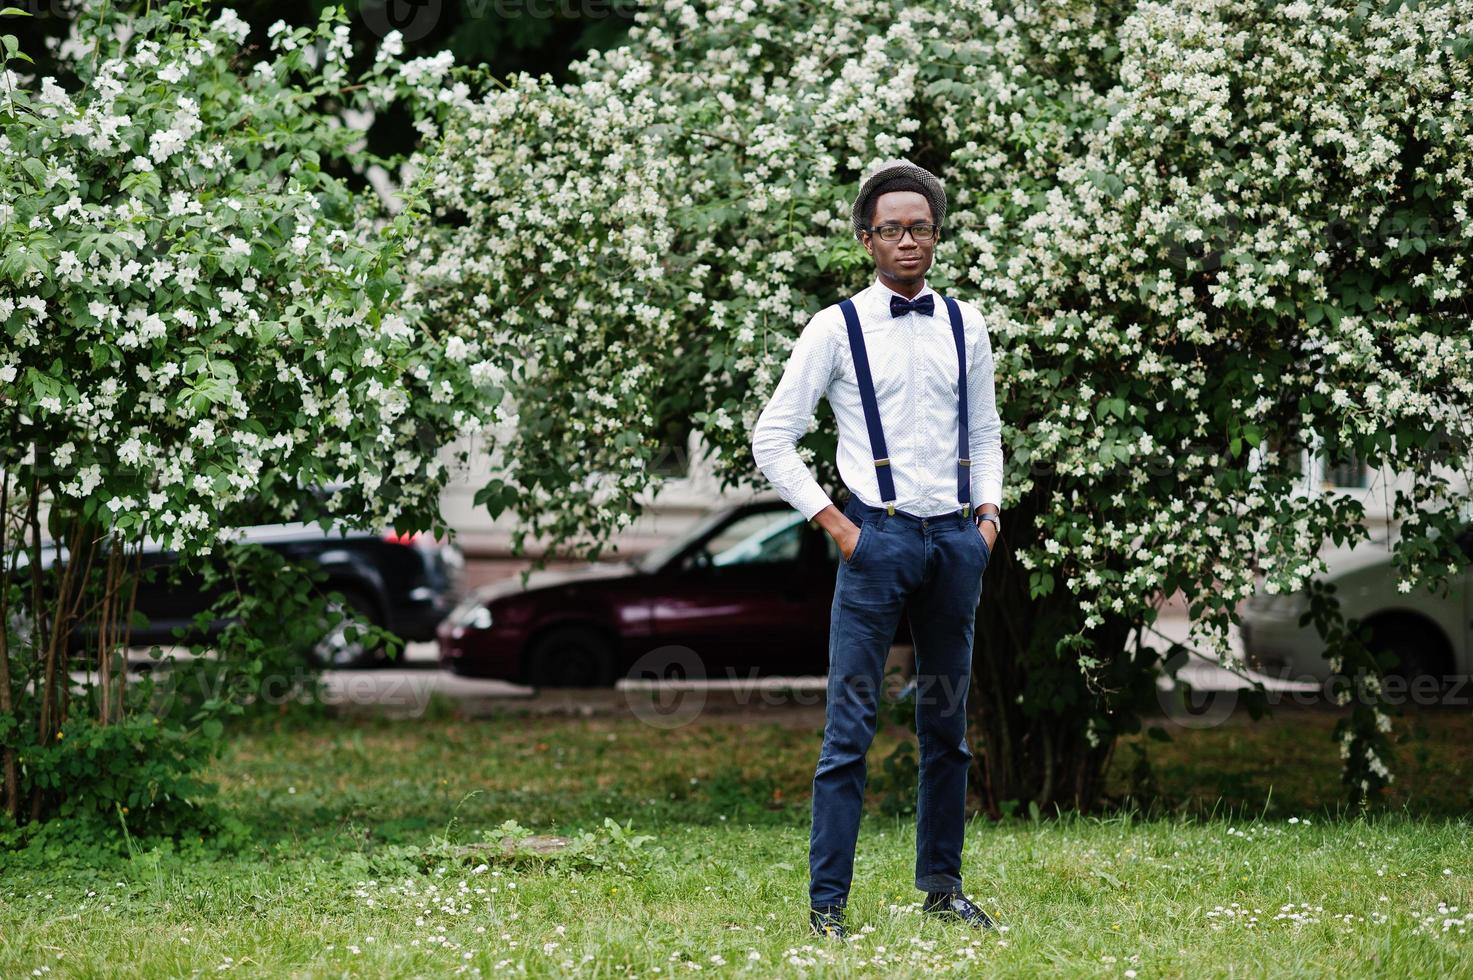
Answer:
(910, 378)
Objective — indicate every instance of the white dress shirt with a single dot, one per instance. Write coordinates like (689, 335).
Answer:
(912, 360)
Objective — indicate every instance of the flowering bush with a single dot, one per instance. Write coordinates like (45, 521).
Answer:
(199, 311)
(200, 319)
(1206, 236)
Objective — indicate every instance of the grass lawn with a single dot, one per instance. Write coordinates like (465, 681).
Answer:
(376, 852)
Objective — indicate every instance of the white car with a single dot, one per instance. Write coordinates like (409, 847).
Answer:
(1430, 634)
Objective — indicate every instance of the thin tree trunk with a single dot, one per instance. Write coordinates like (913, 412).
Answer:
(104, 650)
(45, 728)
(38, 621)
(74, 611)
(11, 802)
(71, 591)
(108, 634)
(1034, 753)
(128, 622)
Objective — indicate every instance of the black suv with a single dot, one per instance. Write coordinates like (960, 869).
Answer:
(403, 583)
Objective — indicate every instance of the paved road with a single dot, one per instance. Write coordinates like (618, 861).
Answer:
(1202, 672)
(409, 688)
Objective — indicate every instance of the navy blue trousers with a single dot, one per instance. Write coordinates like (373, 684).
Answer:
(931, 569)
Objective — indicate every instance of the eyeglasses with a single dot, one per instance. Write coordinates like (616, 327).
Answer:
(923, 232)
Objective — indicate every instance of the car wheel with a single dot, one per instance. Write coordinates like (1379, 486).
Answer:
(571, 656)
(1418, 648)
(336, 649)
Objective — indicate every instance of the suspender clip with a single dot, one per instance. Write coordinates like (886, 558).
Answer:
(890, 509)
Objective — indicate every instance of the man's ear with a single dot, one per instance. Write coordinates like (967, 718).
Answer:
(866, 242)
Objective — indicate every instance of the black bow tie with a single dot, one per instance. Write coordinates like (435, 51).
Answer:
(923, 304)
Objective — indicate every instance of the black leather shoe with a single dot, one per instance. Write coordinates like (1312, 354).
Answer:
(828, 921)
(955, 905)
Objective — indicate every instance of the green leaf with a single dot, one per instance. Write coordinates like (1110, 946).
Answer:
(496, 497)
(36, 169)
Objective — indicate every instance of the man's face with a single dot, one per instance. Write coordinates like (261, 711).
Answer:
(902, 263)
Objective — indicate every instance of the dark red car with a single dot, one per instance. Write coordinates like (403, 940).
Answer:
(747, 592)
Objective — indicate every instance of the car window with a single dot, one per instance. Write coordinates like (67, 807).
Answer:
(756, 539)
(658, 556)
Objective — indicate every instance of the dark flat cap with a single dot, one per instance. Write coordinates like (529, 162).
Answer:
(889, 170)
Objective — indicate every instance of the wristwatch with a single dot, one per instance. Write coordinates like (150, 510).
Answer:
(987, 515)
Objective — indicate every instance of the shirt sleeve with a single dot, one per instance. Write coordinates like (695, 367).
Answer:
(788, 415)
(984, 427)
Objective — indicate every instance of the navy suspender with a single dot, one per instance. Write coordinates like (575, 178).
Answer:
(963, 443)
(872, 410)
